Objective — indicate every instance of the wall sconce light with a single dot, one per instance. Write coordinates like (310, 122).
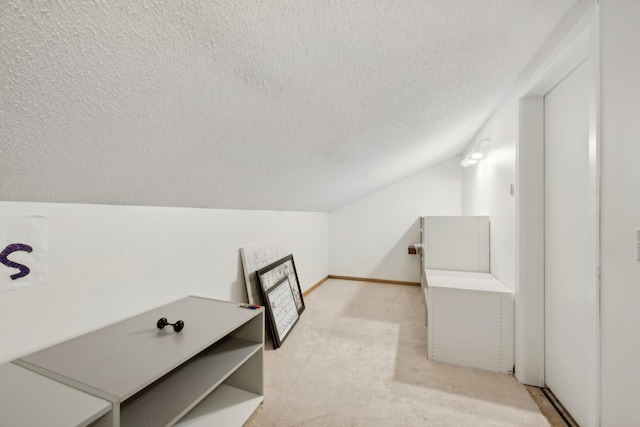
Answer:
(474, 154)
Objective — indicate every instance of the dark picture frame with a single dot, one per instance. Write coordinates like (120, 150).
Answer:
(281, 310)
(271, 274)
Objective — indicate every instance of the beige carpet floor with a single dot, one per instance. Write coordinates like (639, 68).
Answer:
(357, 357)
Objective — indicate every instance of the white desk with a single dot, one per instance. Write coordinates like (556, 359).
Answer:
(210, 373)
(470, 318)
(28, 399)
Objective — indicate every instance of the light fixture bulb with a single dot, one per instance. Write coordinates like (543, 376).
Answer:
(464, 163)
(476, 155)
(472, 161)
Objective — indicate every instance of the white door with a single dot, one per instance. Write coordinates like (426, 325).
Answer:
(569, 260)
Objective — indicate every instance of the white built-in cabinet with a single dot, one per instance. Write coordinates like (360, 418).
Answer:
(469, 312)
(210, 373)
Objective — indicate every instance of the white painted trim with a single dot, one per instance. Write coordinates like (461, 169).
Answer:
(567, 46)
(529, 302)
(577, 43)
(594, 183)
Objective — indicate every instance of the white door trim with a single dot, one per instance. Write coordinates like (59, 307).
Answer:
(577, 42)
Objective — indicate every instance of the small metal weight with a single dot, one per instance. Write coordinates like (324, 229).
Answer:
(162, 322)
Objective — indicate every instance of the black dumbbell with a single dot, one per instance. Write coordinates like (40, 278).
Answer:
(162, 322)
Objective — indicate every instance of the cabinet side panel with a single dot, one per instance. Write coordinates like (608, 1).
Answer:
(484, 247)
(465, 328)
(507, 327)
(110, 419)
(253, 330)
(459, 243)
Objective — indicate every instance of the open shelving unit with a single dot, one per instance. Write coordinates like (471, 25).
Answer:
(160, 404)
(210, 373)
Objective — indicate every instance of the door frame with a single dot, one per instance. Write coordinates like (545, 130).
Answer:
(577, 42)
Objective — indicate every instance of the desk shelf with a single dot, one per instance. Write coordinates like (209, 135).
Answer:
(170, 398)
(224, 405)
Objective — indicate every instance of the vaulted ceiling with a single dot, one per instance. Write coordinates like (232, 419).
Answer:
(284, 104)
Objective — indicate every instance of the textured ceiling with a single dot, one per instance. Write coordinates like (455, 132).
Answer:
(285, 105)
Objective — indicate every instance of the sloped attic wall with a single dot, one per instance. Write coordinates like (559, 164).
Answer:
(283, 105)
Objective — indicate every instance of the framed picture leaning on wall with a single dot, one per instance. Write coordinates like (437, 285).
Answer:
(281, 310)
(271, 274)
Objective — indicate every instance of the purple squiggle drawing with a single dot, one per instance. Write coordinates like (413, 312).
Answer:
(24, 270)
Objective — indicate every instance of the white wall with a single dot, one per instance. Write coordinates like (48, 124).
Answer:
(110, 262)
(620, 212)
(619, 203)
(486, 188)
(369, 237)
